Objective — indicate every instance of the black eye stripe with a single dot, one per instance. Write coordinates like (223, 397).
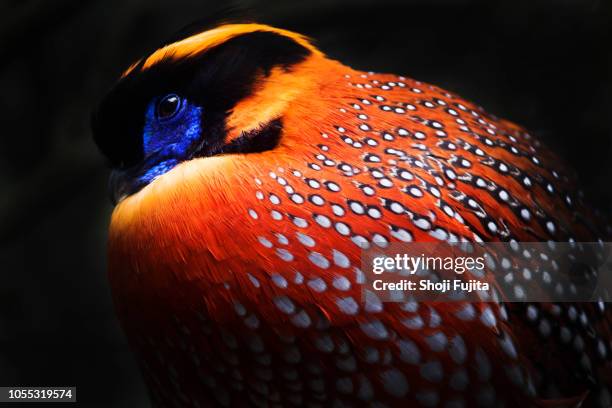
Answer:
(215, 80)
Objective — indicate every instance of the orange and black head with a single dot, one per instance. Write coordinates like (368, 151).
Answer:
(221, 91)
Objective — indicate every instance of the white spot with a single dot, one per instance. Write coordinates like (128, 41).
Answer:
(360, 241)
(359, 276)
(422, 223)
(397, 208)
(467, 312)
(401, 234)
(279, 281)
(312, 183)
(297, 198)
(414, 323)
(299, 278)
(274, 199)
(365, 391)
(319, 260)
(525, 214)
(375, 330)
(282, 239)
(508, 346)
(437, 341)
(488, 318)
(305, 239)
(284, 254)
(341, 283)
(527, 181)
(371, 355)
(240, 309)
(263, 241)
(374, 213)
(432, 371)
(372, 302)
(252, 322)
(340, 259)
(337, 210)
(324, 343)
(544, 328)
(300, 222)
(331, 186)
(347, 305)
(434, 318)
(439, 234)
(409, 352)
(317, 200)
(394, 382)
(416, 192)
(317, 284)
(357, 207)
(301, 319)
(322, 220)
(380, 240)
(532, 313)
(369, 191)
(253, 280)
(284, 304)
(342, 228)
(483, 365)
(457, 349)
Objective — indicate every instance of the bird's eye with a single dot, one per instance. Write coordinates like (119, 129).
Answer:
(168, 107)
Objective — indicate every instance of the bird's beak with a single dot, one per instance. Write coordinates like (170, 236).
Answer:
(118, 186)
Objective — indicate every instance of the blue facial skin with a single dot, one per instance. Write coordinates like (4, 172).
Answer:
(167, 138)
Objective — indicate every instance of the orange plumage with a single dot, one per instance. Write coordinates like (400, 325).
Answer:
(237, 276)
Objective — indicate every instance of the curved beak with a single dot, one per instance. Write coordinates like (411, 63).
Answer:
(119, 186)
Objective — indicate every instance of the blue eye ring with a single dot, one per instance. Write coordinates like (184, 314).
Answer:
(168, 107)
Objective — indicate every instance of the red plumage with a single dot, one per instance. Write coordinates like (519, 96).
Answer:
(237, 278)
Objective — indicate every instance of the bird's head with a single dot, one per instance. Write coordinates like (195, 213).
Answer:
(219, 92)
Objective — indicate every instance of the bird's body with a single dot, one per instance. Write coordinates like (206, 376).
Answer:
(237, 273)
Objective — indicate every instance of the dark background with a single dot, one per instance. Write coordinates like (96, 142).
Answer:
(544, 64)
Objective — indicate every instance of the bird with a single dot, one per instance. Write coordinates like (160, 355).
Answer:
(251, 172)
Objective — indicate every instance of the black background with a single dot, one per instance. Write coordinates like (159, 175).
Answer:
(543, 64)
